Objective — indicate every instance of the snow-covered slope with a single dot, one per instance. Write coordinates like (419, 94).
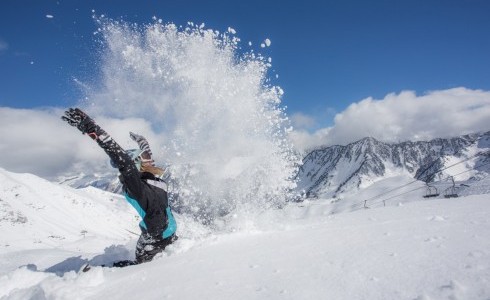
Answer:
(35, 214)
(414, 248)
(338, 171)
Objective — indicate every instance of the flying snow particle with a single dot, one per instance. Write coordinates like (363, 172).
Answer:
(49, 16)
(267, 42)
(154, 18)
(231, 30)
(262, 45)
(250, 43)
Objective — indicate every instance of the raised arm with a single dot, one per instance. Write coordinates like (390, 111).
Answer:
(77, 118)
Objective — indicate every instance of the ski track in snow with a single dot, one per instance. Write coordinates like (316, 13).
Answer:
(425, 249)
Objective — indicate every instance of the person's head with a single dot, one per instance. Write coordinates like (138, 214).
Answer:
(140, 158)
(143, 161)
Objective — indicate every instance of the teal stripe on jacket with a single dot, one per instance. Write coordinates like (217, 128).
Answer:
(172, 225)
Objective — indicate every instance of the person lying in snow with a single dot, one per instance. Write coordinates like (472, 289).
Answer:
(142, 187)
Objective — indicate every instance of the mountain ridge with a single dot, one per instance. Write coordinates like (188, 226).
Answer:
(334, 170)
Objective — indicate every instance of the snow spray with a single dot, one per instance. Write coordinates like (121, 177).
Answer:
(219, 120)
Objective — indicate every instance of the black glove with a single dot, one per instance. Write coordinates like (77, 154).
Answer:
(77, 118)
(142, 142)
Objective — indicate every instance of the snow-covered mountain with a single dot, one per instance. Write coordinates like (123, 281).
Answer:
(342, 170)
(107, 181)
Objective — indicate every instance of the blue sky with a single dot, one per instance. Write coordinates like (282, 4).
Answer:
(328, 54)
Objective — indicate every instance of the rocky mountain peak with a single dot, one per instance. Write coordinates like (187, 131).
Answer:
(330, 171)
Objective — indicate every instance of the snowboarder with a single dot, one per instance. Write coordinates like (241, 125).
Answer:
(142, 186)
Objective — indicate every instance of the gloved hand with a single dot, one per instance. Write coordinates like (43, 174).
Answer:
(142, 142)
(77, 118)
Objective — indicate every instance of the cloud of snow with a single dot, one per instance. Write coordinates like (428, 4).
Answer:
(405, 116)
(220, 122)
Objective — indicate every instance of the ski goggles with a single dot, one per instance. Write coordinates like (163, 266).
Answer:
(145, 157)
(138, 156)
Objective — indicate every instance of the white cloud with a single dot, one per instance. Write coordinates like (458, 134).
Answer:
(304, 140)
(301, 120)
(406, 116)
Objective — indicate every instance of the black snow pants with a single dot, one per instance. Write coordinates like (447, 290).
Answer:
(148, 246)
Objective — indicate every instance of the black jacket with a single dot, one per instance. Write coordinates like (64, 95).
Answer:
(143, 191)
